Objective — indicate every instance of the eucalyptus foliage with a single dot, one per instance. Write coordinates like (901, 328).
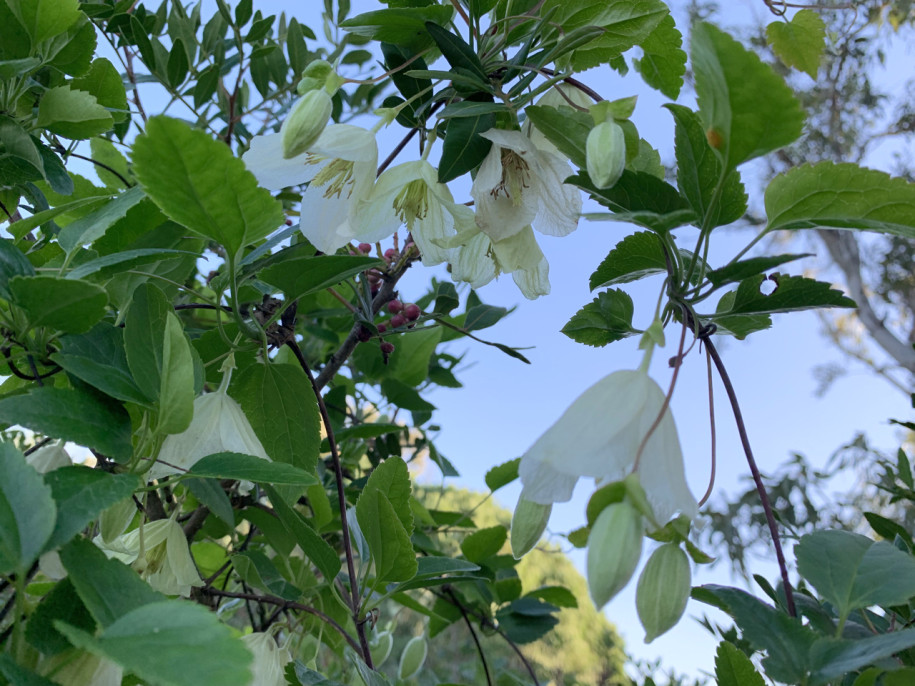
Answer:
(211, 316)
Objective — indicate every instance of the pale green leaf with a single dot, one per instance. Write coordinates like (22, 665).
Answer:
(73, 113)
(176, 389)
(663, 63)
(799, 43)
(27, 512)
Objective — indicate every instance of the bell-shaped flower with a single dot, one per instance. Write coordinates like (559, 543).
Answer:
(219, 426)
(159, 552)
(339, 169)
(599, 436)
(270, 660)
(424, 205)
(49, 457)
(81, 668)
(519, 185)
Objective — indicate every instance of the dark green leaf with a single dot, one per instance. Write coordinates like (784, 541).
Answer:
(503, 474)
(62, 602)
(298, 276)
(483, 316)
(484, 543)
(404, 396)
(392, 478)
(605, 319)
(14, 263)
(144, 337)
(733, 668)
(67, 305)
(73, 415)
(464, 148)
(19, 675)
(522, 628)
(316, 548)
(663, 63)
(638, 255)
(93, 226)
(832, 658)
(458, 54)
(122, 261)
(560, 596)
(81, 494)
(257, 570)
(405, 26)
(389, 543)
(564, 127)
(446, 298)
(791, 293)
(27, 512)
(738, 271)
(210, 493)
(470, 108)
(250, 468)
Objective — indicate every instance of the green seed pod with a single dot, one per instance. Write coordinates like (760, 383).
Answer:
(305, 123)
(528, 523)
(380, 646)
(412, 658)
(605, 152)
(663, 590)
(614, 549)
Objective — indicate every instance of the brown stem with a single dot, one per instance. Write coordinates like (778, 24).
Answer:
(473, 635)
(355, 595)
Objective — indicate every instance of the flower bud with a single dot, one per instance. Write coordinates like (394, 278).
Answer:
(605, 150)
(412, 658)
(614, 549)
(269, 659)
(528, 523)
(380, 646)
(663, 590)
(305, 123)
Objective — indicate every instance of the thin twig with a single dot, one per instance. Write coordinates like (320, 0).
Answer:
(356, 597)
(711, 419)
(473, 635)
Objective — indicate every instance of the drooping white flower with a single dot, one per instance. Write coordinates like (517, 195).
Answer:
(49, 457)
(219, 426)
(424, 205)
(159, 552)
(339, 170)
(599, 437)
(606, 154)
(81, 668)
(269, 659)
(519, 185)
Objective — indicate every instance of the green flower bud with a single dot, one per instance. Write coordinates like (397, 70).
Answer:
(269, 664)
(305, 123)
(663, 590)
(605, 151)
(380, 646)
(412, 658)
(614, 549)
(528, 524)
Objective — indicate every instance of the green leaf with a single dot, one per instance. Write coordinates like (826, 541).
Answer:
(605, 319)
(502, 474)
(387, 539)
(740, 325)
(20, 160)
(176, 388)
(170, 643)
(144, 337)
(89, 228)
(12, 263)
(200, 184)
(258, 570)
(464, 148)
(799, 43)
(392, 478)
(67, 305)
(636, 256)
(210, 493)
(98, 358)
(484, 543)
(177, 65)
(733, 667)
(73, 415)
(44, 19)
(852, 571)
(746, 108)
(405, 27)
(115, 263)
(784, 638)
(75, 57)
(560, 596)
(738, 271)
(19, 675)
(832, 658)
(108, 587)
(27, 512)
(483, 316)
(471, 108)
(279, 402)
(524, 628)
(316, 548)
(663, 63)
(458, 54)
(362, 431)
(410, 360)
(81, 494)
(565, 128)
(404, 396)
(791, 293)
(104, 83)
(699, 172)
(841, 196)
(250, 468)
(298, 276)
(62, 602)
(73, 114)
(104, 151)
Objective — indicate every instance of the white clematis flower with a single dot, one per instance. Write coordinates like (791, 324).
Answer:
(49, 457)
(340, 172)
(159, 553)
(599, 436)
(269, 659)
(519, 185)
(80, 668)
(424, 205)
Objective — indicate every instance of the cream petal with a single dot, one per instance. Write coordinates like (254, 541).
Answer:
(325, 221)
(265, 160)
(513, 140)
(489, 175)
(518, 252)
(499, 217)
(437, 226)
(346, 142)
(559, 203)
(535, 282)
(472, 264)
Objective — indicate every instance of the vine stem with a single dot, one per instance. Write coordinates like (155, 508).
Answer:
(341, 498)
(754, 470)
(473, 635)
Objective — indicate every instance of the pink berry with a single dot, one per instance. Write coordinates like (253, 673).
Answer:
(288, 222)
(397, 321)
(387, 348)
(375, 289)
(373, 276)
(382, 328)
(364, 334)
(395, 306)
(390, 253)
(412, 312)
(365, 248)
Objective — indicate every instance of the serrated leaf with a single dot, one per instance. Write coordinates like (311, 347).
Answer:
(833, 658)
(392, 478)
(799, 43)
(298, 276)
(663, 63)
(746, 108)
(27, 512)
(841, 196)
(73, 113)
(250, 468)
(699, 172)
(791, 293)
(464, 148)
(87, 229)
(402, 26)
(44, 19)
(733, 667)
(740, 326)
(104, 83)
(564, 127)
(503, 474)
(199, 183)
(738, 271)
(638, 255)
(605, 319)
(67, 305)
(88, 419)
(392, 552)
